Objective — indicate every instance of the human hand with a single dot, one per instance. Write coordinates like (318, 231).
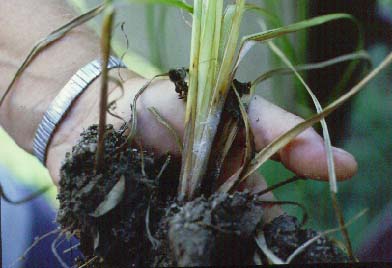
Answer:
(305, 155)
(52, 68)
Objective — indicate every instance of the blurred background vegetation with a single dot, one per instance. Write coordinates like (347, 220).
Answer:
(160, 36)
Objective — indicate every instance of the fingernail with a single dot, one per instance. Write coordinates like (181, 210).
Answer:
(341, 152)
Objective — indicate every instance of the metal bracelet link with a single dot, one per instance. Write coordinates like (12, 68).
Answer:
(63, 101)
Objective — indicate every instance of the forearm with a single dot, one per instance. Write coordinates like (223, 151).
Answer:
(22, 24)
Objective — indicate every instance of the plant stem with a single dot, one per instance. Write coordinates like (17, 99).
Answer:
(212, 53)
(187, 155)
(103, 101)
(202, 72)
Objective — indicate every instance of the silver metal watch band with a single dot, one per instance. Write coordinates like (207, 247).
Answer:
(63, 101)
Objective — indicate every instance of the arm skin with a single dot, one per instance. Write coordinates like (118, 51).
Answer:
(23, 23)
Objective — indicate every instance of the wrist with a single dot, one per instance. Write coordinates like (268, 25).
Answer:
(38, 85)
(50, 69)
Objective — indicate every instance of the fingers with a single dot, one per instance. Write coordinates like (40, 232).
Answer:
(305, 155)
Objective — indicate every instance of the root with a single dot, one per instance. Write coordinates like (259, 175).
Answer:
(54, 250)
(35, 243)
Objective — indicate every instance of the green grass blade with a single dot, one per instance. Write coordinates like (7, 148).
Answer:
(269, 34)
(226, 27)
(204, 135)
(225, 72)
(210, 80)
(207, 73)
(208, 57)
(190, 113)
(273, 21)
(248, 41)
(173, 3)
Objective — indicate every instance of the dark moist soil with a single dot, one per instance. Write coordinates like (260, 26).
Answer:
(127, 216)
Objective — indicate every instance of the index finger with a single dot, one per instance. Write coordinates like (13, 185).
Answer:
(305, 154)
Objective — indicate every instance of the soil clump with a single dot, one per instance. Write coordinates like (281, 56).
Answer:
(127, 215)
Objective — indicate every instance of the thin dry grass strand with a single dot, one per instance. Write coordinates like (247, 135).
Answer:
(52, 37)
(257, 259)
(301, 248)
(360, 55)
(327, 139)
(142, 164)
(125, 51)
(71, 248)
(167, 125)
(187, 22)
(280, 184)
(285, 138)
(112, 104)
(36, 241)
(245, 48)
(88, 262)
(107, 25)
(154, 242)
(61, 240)
(163, 168)
(328, 150)
(55, 253)
(339, 215)
(190, 113)
(245, 118)
(232, 131)
(302, 207)
(249, 138)
(222, 148)
(233, 181)
(262, 243)
(132, 125)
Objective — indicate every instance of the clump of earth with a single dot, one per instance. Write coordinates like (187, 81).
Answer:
(126, 214)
